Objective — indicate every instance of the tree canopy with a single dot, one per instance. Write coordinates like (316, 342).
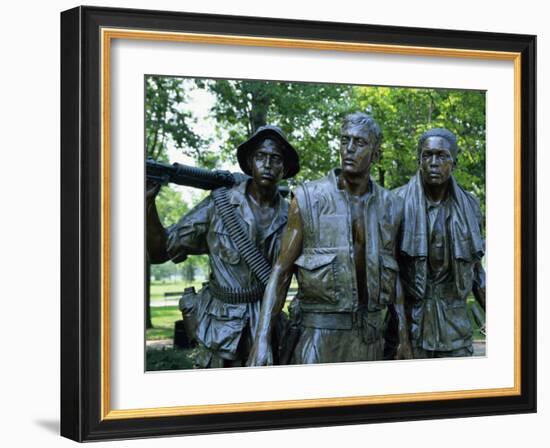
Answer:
(405, 113)
(310, 115)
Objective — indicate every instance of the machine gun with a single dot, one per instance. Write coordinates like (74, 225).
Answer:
(164, 173)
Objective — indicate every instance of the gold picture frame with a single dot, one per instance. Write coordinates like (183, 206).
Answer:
(89, 34)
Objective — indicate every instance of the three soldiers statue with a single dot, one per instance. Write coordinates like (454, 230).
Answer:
(380, 274)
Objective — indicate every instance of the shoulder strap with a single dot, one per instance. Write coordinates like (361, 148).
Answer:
(255, 260)
(302, 194)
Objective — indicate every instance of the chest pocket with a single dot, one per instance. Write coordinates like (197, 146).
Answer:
(224, 248)
(388, 276)
(386, 233)
(316, 275)
(331, 233)
(464, 273)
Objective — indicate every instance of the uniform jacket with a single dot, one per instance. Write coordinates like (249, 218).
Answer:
(201, 231)
(438, 315)
(325, 270)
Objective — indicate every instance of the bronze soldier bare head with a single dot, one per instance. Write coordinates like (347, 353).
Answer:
(360, 141)
(437, 154)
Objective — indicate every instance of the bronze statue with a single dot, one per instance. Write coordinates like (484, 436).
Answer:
(240, 229)
(440, 252)
(340, 241)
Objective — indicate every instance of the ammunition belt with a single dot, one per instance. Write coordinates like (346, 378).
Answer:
(254, 259)
(237, 295)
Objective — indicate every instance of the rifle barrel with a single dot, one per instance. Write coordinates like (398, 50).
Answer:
(192, 176)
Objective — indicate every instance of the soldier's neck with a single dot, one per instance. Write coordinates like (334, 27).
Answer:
(436, 193)
(356, 185)
(263, 196)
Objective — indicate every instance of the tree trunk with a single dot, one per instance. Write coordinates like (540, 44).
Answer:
(258, 113)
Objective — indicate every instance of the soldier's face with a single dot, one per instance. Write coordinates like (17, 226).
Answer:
(267, 164)
(436, 161)
(358, 149)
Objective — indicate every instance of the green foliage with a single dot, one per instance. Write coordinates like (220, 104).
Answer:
(309, 114)
(163, 272)
(170, 206)
(167, 121)
(168, 359)
(405, 113)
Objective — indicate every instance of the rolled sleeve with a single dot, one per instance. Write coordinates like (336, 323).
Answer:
(188, 235)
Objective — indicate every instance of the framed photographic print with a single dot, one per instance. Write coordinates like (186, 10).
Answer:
(166, 309)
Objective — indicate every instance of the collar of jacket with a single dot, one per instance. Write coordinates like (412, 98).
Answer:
(237, 197)
(466, 239)
(374, 187)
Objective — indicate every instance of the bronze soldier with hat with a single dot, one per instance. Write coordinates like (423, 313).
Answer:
(240, 229)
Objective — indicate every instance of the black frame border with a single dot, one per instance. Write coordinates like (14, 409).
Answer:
(81, 223)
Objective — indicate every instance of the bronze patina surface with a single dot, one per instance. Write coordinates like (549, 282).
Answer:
(440, 252)
(340, 242)
(227, 308)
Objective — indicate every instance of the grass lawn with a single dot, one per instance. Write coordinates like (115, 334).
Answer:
(167, 358)
(163, 322)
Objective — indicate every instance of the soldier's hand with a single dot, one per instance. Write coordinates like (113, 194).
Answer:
(151, 190)
(404, 350)
(483, 329)
(261, 354)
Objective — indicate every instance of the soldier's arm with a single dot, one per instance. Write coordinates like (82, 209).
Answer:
(478, 290)
(479, 284)
(189, 235)
(478, 287)
(156, 233)
(186, 237)
(277, 287)
(404, 350)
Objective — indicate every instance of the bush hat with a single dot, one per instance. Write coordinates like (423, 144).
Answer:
(291, 160)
